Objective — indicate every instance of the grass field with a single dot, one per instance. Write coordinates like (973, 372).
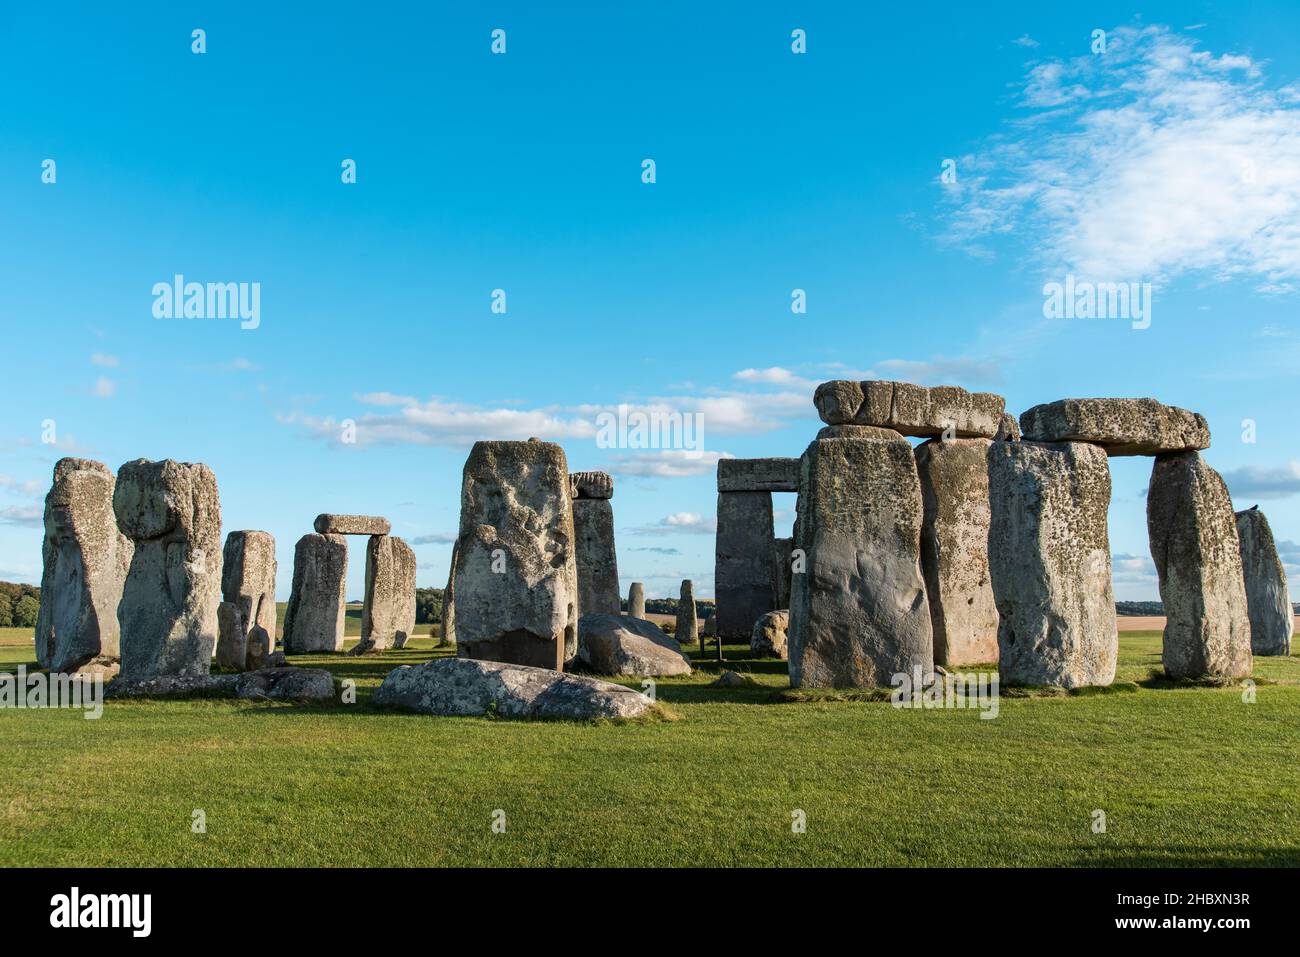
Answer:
(1185, 776)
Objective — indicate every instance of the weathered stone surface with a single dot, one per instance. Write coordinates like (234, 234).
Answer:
(248, 592)
(758, 475)
(1194, 546)
(313, 620)
(168, 613)
(258, 651)
(588, 485)
(449, 603)
(955, 550)
(388, 609)
(85, 561)
(858, 613)
(1268, 600)
(1049, 560)
(330, 524)
(687, 628)
(274, 684)
(1120, 426)
(910, 409)
(465, 687)
(1009, 430)
(769, 636)
(743, 578)
(622, 645)
(859, 432)
(516, 580)
(636, 600)
(597, 560)
(782, 569)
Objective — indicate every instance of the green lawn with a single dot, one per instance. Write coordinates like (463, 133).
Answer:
(1185, 776)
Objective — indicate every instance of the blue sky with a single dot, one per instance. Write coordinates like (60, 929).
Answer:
(522, 172)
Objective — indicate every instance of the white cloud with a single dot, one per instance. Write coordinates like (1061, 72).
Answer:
(103, 388)
(1256, 481)
(1025, 40)
(28, 515)
(1153, 160)
(105, 360)
(691, 523)
(666, 463)
(437, 538)
(29, 488)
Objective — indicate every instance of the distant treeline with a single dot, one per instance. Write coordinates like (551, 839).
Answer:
(19, 605)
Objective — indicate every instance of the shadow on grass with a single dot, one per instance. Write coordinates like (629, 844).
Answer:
(1182, 856)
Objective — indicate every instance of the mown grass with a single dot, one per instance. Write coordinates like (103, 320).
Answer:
(1185, 776)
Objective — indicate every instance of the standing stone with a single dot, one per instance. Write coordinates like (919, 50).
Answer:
(742, 569)
(593, 528)
(330, 524)
(168, 612)
(1268, 600)
(782, 565)
(449, 603)
(1194, 546)
(515, 577)
(85, 561)
(248, 592)
(313, 621)
(636, 600)
(688, 626)
(388, 610)
(858, 613)
(770, 636)
(955, 550)
(1049, 560)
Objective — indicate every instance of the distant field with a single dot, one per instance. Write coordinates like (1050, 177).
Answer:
(1185, 776)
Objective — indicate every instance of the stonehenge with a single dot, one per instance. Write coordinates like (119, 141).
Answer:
(1197, 555)
(1049, 561)
(246, 615)
(769, 637)
(910, 409)
(954, 478)
(388, 609)
(328, 524)
(636, 600)
(623, 645)
(515, 576)
(1120, 426)
(687, 627)
(313, 620)
(168, 612)
(1268, 601)
(746, 578)
(858, 613)
(593, 529)
(85, 558)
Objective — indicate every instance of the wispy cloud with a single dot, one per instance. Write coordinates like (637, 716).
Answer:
(1255, 481)
(690, 523)
(104, 388)
(105, 360)
(30, 516)
(437, 538)
(1152, 160)
(1025, 40)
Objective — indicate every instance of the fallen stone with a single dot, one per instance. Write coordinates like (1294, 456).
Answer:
(515, 576)
(733, 679)
(1120, 426)
(770, 634)
(170, 686)
(596, 558)
(168, 613)
(467, 687)
(945, 410)
(85, 559)
(329, 524)
(858, 613)
(1049, 561)
(622, 645)
(1197, 555)
(743, 577)
(1268, 600)
(248, 591)
(686, 630)
(954, 549)
(591, 485)
(758, 475)
(286, 684)
(388, 609)
(636, 600)
(313, 620)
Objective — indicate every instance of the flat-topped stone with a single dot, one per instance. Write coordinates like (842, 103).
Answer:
(910, 409)
(869, 432)
(758, 475)
(591, 485)
(1120, 426)
(330, 524)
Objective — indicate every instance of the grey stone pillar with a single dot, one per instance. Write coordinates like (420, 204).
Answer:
(743, 577)
(636, 600)
(1268, 600)
(247, 610)
(593, 529)
(313, 621)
